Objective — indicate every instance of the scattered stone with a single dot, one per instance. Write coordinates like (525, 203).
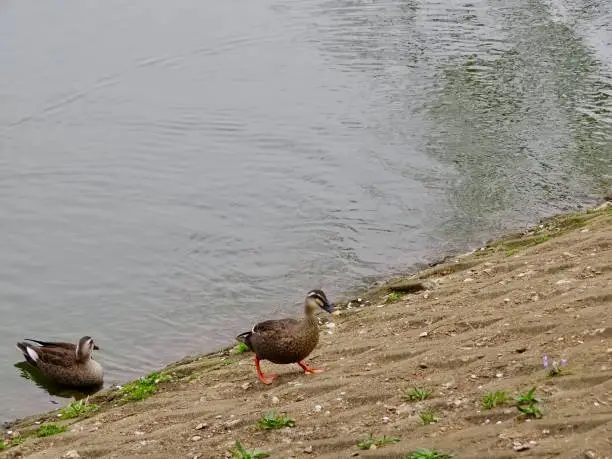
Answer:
(330, 325)
(385, 420)
(138, 433)
(518, 446)
(506, 300)
(201, 426)
(563, 281)
(275, 401)
(246, 385)
(468, 279)
(590, 454)
(423, 335)
(196, 438)
(72, 454)
(232, 423)
(499, 375)
(317, 408)
(308, 450)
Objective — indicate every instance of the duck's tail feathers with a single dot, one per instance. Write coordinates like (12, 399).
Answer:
(29, 352)
(245, 338)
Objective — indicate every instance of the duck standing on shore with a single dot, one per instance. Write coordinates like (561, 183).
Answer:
(66, 363)
(285, 341)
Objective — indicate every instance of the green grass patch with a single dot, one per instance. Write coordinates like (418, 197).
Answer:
(240, 452)
(394, 297)
(528, 404)
(241, 348)
(428, 417)
(417, 394)
(77, 409)
(47, 430)
(428, 454)
(272, 421)
(492, 399)
(144, 387)
(369, 441)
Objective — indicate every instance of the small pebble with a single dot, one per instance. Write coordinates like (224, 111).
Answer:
(72, 454)
(201, 426)
(590, 454)
(275, 401)
(385, 420)
(196, 438)
(246, 385)
(308, 450)
(423, 335)
(317, 408)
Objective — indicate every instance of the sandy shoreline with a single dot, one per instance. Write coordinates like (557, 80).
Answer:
(472, 325)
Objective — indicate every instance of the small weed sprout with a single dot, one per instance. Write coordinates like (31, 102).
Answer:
(2, 445)
(76, 409)
(240, 348)
(144, 387)
(393, 297)
(240, 452)
(370, 441)
(527, 404)
(417, 394)
(428, 417)
(46, 430)
(554, 367)
(272, 421)
(492, 399)
(428, 454)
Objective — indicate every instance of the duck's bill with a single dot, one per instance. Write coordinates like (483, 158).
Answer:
(329, 307)
(96, 348)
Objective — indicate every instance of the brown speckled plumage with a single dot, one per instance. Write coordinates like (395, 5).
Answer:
(285, 341)
(65, 363)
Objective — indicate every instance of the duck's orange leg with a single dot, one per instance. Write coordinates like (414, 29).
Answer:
(308, 370)
(266, 380)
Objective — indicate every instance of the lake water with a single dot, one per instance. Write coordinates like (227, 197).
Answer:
(172, 171)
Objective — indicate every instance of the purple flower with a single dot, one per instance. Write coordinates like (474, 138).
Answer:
(545, 361)
(563, 362)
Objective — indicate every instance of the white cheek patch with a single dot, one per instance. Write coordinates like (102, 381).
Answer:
(32, 353)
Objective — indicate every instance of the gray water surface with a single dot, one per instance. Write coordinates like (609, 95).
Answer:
(172, 171)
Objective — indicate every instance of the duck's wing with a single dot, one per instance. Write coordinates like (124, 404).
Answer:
(56, 356)
(50, 344)
(275, 326)
(47, 355)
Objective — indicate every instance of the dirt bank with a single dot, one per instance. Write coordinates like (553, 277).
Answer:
(474, 325)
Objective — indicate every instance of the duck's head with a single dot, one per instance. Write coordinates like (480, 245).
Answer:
(317, 299)
(84, 348)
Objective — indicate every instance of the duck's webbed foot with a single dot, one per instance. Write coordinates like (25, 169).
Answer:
(264, 379)
(308, 370)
